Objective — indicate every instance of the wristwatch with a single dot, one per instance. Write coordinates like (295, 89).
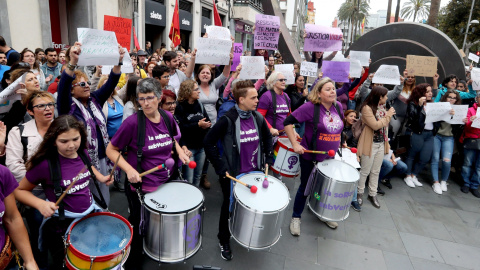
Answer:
(71, 67)
(120, 63)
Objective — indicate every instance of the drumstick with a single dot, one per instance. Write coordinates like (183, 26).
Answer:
(330, 152)
(114, 167)
(265, 181)
(84, 169)
(168, 164)
(253, 189)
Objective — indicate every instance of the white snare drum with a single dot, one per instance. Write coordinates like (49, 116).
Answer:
(257, 218)
(287, 162)
(173, 222)
(333, 188)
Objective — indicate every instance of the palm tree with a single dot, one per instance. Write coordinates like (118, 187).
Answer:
(353, 11)
(434, 9)
(417, 8)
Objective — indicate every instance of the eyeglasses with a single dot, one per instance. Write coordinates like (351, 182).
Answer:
(282, 80)
(82, 84)
(166, 77)
(143, 99)
(43, 107)
(170, 104)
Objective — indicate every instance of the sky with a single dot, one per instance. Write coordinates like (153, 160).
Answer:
(327, 9)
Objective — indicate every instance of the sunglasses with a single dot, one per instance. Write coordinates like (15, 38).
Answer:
(82, 84)
(282, 80)
(43, 107)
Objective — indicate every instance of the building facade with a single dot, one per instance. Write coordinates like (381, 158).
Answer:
(295, 15)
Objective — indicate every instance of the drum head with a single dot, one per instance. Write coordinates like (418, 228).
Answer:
(338, 170)
(100, 235)
(174, 197)
(270, 199)
(285, 142)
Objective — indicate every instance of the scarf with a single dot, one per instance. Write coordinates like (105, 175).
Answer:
(382, 113)
(243, 114)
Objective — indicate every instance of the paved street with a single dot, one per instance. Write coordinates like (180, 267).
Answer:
(414, 229)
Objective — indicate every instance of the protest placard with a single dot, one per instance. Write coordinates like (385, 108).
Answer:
(237, 52)
(213, 51)
(122, 28)
(473, 57)
(362, 56)
(99, 47)
(125, 68)
(387, 74)
(218, 32)
(422, 65)
(337, 71)
(253, 67)
(438, 111)
(321, 38)
(348, 157)
(9, 92)
(287, 71)
(267, 32)
(308, 69)
(355, 68)
(476, 122)
(475, 74)
(460, 114)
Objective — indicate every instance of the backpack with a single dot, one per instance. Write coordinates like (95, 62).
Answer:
(24, 141)
(357, 128)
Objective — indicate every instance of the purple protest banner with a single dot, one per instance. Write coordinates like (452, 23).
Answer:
(267, 32)
(237, 52)
(321, 38)
(337, 71)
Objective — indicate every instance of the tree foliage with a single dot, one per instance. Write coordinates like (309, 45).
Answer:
(453, 19)
(416, 8)
(354, 12)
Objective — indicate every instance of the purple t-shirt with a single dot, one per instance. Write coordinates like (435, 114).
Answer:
(79, 197)
(7, 185)
(265, 103)
(157, 148)
(330, 128)
(249, 141)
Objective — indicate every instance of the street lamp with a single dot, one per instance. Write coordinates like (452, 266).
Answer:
(468, 24)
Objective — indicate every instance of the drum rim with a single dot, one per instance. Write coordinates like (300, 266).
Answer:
(101, 258)
(335, 160)
(179, 212)
(283, 145)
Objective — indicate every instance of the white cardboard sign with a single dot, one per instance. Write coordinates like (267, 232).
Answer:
(287, 71)
(253, 67)
(387, 74)
(362, 56)
(308, 69)
(213, 51)
(99, 47)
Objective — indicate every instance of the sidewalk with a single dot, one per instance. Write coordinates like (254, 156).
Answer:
(414, 229)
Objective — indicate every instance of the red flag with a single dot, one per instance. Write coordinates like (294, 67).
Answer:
(216, 17)
(137, 45)
(175, 28)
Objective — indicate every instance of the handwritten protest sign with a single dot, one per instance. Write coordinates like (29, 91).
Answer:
(473, 57)
(122, 28)
(437, 111)
(308, 69)
(287, 71)
(321, 38)
(387, 74)
(237, 52)
(98, 47)
(422, 65)
(475, 78)
(253, 67)
(125, 68)
(337, 71)
(460, 114)
(267, 32)
(355, 68)
(218, 32)
(348, 157)
(362, 56)
(9, 93)
(476, 122)
(213, 51)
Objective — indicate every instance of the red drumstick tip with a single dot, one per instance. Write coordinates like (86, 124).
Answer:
(253, 189)
(331, 153)
(353, 150)
(192, 164)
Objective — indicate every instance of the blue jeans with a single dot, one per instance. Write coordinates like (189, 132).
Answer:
(301, 129)
(351, 104)
(389, 170)
(193, 175)
(472, 157)
(419, 144)
(306, 167)
(443, 144)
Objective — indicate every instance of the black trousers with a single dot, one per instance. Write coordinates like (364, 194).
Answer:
(135, 258)
(223, 231)
(53, 231)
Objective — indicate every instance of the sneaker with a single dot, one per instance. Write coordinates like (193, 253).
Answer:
(386, 182)
(475, 192)
(225, 251)
(443, 185)
(408, 181)
(295, 226)
(356, 206)
(465, 189)
(416, 182)
(437, 188)
(333, 224)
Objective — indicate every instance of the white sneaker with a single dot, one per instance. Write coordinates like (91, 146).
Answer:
(437, 188)
(443, 185)
(331, 224)
(416, 182)
(295, 226)
(408, 181)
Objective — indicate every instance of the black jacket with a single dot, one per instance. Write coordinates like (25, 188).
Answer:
(416, 119)
(225, 131)
(297, 99)
(188, 116)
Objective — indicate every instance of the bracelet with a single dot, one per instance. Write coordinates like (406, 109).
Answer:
(120, 63)
(71, 67)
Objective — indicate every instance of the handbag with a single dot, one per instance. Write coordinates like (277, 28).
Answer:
(7, 252)
(470, 143)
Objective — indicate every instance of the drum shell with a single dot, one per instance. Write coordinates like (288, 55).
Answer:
(287, 162)
(330, 198)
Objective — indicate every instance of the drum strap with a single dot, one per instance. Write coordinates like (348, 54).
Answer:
(101, 201)
(56, 175)
(274, 105)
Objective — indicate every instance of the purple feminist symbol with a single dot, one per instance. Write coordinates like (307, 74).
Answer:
(292, 161)
(191, 231)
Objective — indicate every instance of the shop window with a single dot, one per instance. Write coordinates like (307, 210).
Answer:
(160, 1)
(238, 37)
(206, 13)
(185, 5)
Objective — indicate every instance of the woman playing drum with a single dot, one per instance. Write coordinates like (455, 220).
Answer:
(322, 98)
(158, 147)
